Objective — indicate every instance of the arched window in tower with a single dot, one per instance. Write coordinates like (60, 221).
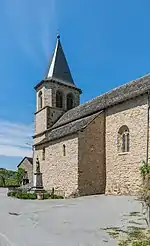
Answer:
(40, 100)
(70, 101)
(59, 99)
(123, 139)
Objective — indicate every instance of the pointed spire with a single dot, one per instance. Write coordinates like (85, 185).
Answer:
(58, 68)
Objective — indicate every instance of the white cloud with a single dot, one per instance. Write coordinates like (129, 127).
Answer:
(14, 138)
(33, 24)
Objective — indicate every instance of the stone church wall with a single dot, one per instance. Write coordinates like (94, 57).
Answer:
(41, 120)
(51, 89)
(59, 171)
(122, 169)
(92, 170)
(53, 114)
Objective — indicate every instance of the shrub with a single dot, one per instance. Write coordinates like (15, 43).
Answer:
(46, 196)
(54, 196)
(57, 197)
(11, 193)
(144, 193)
(21, 195)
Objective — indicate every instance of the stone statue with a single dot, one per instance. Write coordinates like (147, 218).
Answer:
(37, 165)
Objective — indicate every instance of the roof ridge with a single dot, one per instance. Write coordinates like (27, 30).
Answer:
(107, 99)
(114, 89)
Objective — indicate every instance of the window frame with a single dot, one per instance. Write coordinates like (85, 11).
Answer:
(67, 101)
(40, 100)
(59, 99)
(123, 143)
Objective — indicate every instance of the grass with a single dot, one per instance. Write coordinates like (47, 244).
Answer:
(134, 214)
(133, 235)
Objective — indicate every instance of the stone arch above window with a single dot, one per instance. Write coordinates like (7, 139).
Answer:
(59, 99)
(40, 100)
(123, 139)
(70, 101)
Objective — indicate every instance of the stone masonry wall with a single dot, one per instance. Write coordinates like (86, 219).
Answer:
(92, 170)
(51, 89)
(41, 120)
(123, 175)
(60, 172)
(49, 114)
(53, 114)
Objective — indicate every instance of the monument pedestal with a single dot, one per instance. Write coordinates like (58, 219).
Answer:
(38, 182)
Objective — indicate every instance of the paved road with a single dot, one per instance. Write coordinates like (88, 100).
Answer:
(72, 222)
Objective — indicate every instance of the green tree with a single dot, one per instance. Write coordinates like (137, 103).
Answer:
(3, 177)
(20, 175)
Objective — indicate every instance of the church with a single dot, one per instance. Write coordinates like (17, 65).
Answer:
(91, 148)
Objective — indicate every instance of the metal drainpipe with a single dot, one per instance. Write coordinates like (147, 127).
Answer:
(148, 103)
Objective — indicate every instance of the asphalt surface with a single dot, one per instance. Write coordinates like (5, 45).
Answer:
(70, 222)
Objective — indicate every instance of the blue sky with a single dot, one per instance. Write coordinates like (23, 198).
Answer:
(107, 43)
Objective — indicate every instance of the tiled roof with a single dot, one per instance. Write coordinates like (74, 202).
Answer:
(30, 159)
(76, 118)
(58, 67)
(68, 129)
(117, 95)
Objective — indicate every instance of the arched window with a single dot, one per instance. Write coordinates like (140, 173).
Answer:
(59, 99)
(64, 150)
(70, 101)
(40, 100)
(123, 139)
(43, 154)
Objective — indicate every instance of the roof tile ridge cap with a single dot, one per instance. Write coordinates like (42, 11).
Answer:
(129, 83)
(113, 89)
(103, 94)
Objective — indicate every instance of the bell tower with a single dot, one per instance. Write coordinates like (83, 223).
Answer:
(56, 93)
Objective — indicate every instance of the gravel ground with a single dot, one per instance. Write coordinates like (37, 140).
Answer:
(70, 222)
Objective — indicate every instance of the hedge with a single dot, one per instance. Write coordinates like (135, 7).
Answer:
(32, 196)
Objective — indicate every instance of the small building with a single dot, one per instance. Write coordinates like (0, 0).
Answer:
(27, 165)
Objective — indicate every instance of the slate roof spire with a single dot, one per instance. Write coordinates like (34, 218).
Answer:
(58, 68)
